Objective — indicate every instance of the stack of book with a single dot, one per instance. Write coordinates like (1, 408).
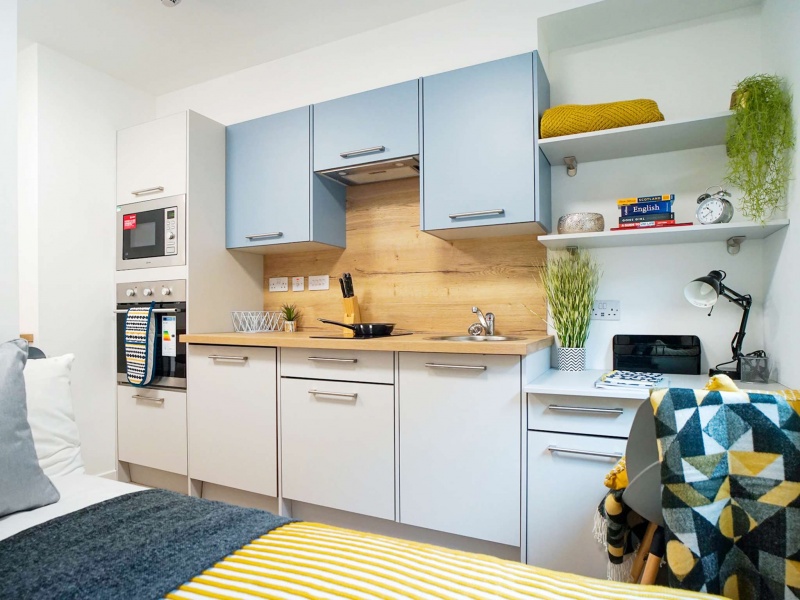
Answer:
(646, 211)
(631, 380)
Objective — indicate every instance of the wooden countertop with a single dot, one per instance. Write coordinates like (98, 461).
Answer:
(418, 342)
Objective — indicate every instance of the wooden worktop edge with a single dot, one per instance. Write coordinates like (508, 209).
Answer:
(412, 343)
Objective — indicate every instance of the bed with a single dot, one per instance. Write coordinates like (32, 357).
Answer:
(41, 557)
(65, 534)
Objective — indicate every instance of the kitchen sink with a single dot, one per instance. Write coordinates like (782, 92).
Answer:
(476, 338)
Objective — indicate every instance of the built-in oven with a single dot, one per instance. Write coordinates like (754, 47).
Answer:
(151, 233)
(169, 311)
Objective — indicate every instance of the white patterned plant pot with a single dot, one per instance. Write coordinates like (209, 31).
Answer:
(571, 359)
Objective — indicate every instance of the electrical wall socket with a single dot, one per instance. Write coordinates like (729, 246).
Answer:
(318, 282)
(606, 310)
(278, 284)
(298, 284)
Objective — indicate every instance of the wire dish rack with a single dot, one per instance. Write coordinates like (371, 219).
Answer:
(257, 321)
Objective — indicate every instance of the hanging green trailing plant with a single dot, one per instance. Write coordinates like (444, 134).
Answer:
(570, 281)
(759, 141)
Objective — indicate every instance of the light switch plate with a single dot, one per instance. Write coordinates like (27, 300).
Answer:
(298, 284)
(318, 282)
(278, 284)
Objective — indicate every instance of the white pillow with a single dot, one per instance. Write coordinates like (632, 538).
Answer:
(50, 415)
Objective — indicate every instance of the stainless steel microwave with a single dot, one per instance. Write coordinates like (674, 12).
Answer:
(151, 233)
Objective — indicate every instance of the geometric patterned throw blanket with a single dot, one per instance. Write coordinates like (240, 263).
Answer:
(730, 467)
(140, 333)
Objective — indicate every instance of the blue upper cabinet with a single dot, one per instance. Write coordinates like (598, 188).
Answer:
(481, 166)
(272, 196)
(372, 126)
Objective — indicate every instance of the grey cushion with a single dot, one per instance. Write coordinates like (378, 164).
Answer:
(23, 484)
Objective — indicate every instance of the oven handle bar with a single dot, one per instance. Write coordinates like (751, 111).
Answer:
(155, 310)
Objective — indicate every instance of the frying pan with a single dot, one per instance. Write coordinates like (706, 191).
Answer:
(365, 330)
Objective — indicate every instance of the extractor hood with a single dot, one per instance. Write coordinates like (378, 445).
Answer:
(385, 170)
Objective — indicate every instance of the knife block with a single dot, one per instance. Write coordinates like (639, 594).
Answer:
(351, 314)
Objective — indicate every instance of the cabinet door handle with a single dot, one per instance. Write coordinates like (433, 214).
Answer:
(614, 455)
(465, 367)
(146, 191)
(362, 151)
(325, 359)
(258, 236)
(478, 213)
(158, 401)
(351, 396)
(223, 357)
(587, 409)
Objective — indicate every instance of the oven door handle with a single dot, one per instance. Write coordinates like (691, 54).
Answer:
(155, 310)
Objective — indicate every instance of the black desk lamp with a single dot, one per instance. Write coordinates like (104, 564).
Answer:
(704, 292)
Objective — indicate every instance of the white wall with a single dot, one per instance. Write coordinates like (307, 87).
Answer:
(9, 302)
(688, 78)
(28, 194)
(463, 34)
(78, 112)
(781, 25)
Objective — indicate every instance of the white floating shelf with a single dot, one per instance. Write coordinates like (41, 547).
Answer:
(665, 235)
(637, 140)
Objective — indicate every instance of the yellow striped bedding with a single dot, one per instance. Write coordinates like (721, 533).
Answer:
(311, 560)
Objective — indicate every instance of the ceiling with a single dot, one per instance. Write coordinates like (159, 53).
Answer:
(159, 49)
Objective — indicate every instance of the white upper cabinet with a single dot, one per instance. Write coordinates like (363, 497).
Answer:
(151, 160)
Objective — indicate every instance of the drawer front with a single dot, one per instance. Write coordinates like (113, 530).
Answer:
(564, 490)
(340, 365)
(582, 414)
(151, 428)
(338, 445)
(232, 417)
(460, 444)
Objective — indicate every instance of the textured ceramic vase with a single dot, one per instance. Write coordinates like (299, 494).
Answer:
(290, 326)
(571, 359)
(582, 222)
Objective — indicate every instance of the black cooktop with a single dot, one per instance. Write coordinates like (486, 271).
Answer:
(341, 337)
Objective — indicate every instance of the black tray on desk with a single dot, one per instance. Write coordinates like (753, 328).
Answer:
(678, 354)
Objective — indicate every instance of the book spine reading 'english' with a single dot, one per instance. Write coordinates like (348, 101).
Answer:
(645, 208)
(642, 199)
(664, 216)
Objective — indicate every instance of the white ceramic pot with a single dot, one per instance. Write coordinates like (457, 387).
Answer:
(290, 326)
(571, 359)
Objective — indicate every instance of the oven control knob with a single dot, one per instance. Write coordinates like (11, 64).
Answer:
(171, 235)
(148, 292)
(165, 291)
(130, 292)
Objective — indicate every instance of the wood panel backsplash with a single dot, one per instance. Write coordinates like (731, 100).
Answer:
(418, 281)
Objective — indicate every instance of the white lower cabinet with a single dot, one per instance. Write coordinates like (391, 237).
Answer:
(564, 490)
(460, 431)
(337, 443)
(151, 428)
(232, 418)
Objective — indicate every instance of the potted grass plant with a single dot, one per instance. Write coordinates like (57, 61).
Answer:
(291, 317)
(570, 281)
(759, 141)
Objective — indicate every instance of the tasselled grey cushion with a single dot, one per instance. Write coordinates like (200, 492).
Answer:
(23, 484)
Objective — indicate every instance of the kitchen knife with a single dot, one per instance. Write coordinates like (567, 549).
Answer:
(344, 291)
(348, 285)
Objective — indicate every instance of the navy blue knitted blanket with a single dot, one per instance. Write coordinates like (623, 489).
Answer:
(141, 545)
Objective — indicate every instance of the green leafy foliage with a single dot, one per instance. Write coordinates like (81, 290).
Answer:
(570, 281)
(759, 140)
(290, 312)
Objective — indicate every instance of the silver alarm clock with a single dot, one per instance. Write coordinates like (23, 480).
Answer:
(714, 207)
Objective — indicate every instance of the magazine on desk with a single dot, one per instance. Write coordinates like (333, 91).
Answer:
(631, 379)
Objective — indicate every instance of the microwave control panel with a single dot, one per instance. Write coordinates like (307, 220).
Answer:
(171, 231)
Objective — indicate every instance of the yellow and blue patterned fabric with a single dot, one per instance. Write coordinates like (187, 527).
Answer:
(730, 468)
(140, 346)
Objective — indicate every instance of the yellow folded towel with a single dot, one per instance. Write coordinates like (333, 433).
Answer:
(568, 119)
